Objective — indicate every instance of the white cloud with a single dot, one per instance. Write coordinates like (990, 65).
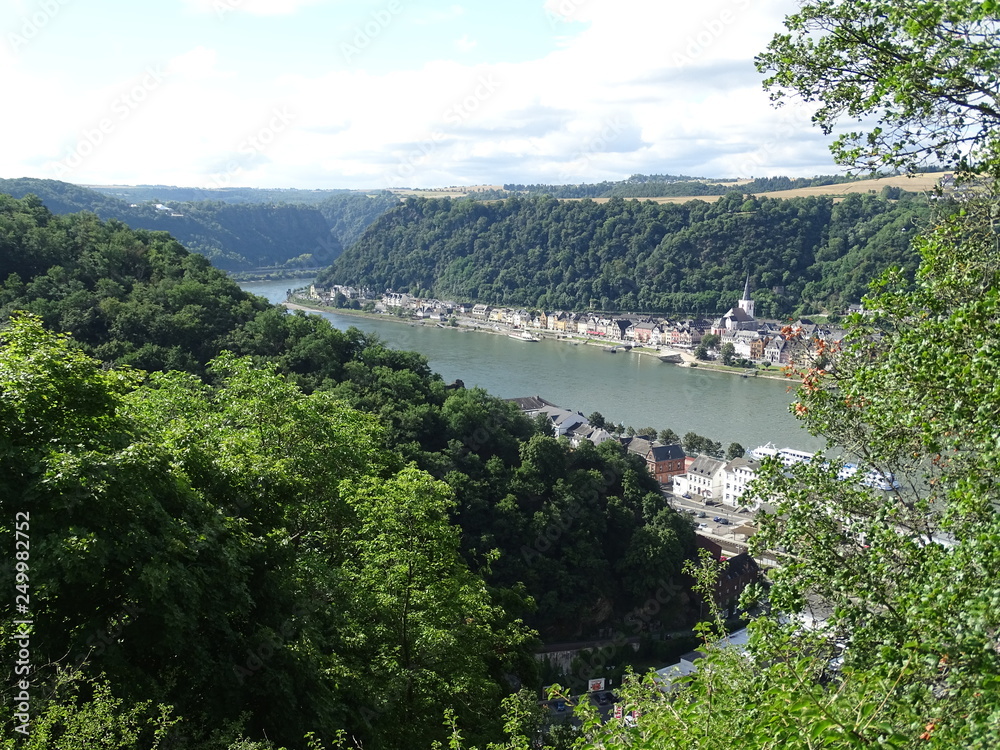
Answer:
(199, 62)
(642, 88)
(439, 16)
(253, 7)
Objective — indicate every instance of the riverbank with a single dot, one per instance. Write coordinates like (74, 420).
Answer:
(467, 324)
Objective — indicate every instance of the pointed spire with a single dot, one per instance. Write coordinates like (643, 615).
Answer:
(746, 289)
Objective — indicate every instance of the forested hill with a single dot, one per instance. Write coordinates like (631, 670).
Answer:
(235, 236)
(804, 254)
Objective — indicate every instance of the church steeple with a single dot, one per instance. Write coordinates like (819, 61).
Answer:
(746, 304)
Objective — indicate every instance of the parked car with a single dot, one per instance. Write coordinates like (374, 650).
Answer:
(724, 521)
(717, 519)
(702, 514)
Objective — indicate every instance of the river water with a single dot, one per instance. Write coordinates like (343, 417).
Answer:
(634, 389)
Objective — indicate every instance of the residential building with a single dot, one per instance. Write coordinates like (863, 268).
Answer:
(703, 479)
(737, 474)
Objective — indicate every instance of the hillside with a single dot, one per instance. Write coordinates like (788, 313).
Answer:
(234, 235)
(804, 255)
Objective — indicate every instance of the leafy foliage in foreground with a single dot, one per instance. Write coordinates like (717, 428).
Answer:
(241, 552)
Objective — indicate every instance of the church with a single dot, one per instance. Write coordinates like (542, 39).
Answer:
(739, 318)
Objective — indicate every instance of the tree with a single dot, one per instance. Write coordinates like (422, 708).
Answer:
(701, 352)
(668, 437)
(924, 71)
(711, 340)
(735, 450)
(426, 630)
(597, 420)
(692, 442)
(727, 353)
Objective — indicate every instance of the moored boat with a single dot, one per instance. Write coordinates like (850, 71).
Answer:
(523, 336)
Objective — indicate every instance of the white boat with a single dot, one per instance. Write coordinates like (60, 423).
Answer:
(523, 336)
(872, 478)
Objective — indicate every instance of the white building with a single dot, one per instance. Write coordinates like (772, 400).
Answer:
(703, 479)
(736, 475)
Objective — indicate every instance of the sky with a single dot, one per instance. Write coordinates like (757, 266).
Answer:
(372, 94)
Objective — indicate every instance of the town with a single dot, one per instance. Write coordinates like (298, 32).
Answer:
(752, 343)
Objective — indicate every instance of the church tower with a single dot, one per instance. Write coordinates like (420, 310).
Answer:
(746, 304)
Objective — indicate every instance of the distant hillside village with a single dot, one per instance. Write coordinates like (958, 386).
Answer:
(758, 342)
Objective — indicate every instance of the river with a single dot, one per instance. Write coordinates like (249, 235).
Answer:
(630, 388)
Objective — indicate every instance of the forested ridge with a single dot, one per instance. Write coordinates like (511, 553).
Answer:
(275, 527)
(804, 255)
(235, 235)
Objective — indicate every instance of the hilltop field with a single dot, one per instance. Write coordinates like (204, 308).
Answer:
(915, 183)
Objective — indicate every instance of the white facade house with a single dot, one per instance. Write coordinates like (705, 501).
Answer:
(736, 475)
(703, 479)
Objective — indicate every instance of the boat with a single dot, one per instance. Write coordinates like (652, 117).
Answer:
(874, 478)
(674, 358)
(523, 336)
(609, 349)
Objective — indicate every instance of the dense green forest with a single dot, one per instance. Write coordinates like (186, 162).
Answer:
(235, 236)
(805, 255)
(276, 527)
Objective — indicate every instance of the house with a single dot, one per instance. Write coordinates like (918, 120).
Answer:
(777, 351)
(736, 574)
(665, 462)
(737, 474)
(395, 299)
(595, 435)
(743, 342)
(757, 347)
(481, 311)
(531, 405)
(617, 327)
(702, 479)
